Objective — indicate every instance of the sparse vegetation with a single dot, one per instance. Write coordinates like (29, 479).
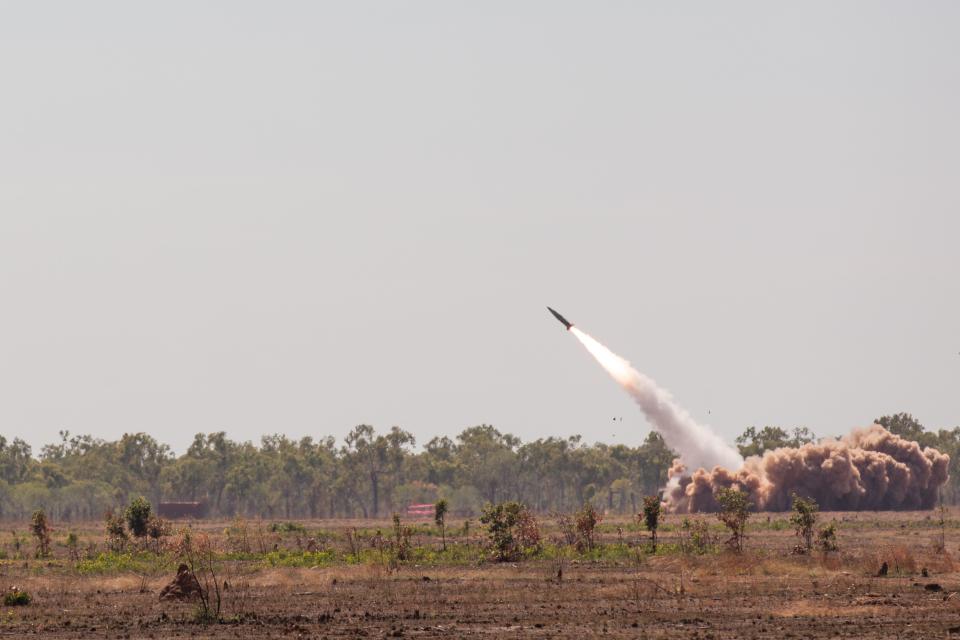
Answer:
(200, 556)
(440, 509)
(734, 512)
(512, 529)
(804, 519)
(287, 527)
(942, 521)
(116, 533)
(695, 536)
(827, 538)
(586, 521)
(16, 597)
(137, 516)
(401, 539)
(72, 544)
(17, 543)
(157, 530)
(367, 581)
(41, 533)
(652, 510)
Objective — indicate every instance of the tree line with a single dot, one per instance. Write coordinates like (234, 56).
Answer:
(370, 474)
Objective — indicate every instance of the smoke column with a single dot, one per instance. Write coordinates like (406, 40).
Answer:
(698, 445)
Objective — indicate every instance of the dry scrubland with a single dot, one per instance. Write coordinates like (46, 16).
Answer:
(305, 580)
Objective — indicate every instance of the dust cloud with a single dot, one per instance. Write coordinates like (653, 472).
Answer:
(869, 469)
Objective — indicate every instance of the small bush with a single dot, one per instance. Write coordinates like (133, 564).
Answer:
(696, 534)
(41, 531)
(113, 562)
(734, 511)
(803, 519)
(283, 558)
(73, 546)
(287, 527)
(586, 521)
(440, 519)
(827, 538)
(138, 516)
(512, 530)
(567, 529)
(401, 539)
(18, 541)
(157, 530)
(238, 536)
(16, 597)
(116, 534)
(651, 518)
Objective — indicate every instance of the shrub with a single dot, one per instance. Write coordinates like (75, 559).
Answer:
(238, 535)
(16, 597)
(586, 521)
(18, 541)
(439, 517)
(698, 534)
(567, 528)
(803, 519)
(401, 539)
(157, 529)
(199, 554)
(827, 538)
(734, 511)
(651, 518)
(116, 534)
(73, 546)
(41, 531)
(137, 516)
(287, 527)
(512, 530)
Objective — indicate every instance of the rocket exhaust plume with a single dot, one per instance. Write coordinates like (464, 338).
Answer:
(697, 444)
(869, 469)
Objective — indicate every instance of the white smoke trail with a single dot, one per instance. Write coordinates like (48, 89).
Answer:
(697, 445)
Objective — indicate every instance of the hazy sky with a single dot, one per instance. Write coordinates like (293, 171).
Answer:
(301, 216)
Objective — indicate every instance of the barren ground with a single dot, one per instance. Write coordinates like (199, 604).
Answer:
(766, 592)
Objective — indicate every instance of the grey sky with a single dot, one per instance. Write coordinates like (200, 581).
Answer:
(300, 216)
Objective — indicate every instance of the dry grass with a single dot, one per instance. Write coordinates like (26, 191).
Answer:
(764, 593)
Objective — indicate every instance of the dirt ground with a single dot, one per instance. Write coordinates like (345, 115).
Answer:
(766, 592)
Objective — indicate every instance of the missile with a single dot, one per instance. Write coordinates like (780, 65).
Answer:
(560, 318)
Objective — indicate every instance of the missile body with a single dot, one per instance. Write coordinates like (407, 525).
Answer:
(560, 318)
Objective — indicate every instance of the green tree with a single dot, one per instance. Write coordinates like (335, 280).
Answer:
(144, 459)
(734, 512)
(907, 427)
(439, 517)
(652, 510)
(41, 531)
(116, 534)
(488, 459)
(827, 538)
(804, 519)
(754, 443)
(16, 461)
(654, 458)
(377, 457)
(512, 529)
(137, 516)
(586, 521)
